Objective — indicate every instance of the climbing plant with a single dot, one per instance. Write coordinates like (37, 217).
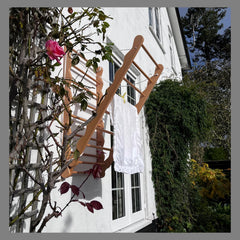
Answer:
(176, 115)
(38, 39)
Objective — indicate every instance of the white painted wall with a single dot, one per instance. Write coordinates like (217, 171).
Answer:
(126, 24)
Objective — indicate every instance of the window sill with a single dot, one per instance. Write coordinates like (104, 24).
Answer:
(157, 39)
(135, 226)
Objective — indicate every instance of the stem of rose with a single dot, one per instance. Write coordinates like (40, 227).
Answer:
(75, 194)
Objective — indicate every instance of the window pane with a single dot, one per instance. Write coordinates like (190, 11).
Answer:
(132, 180)
(138, 202)
(136, 196)
(111, 72)
(114, 184)
(133, 200)
(121, 204)
(131, 93)
(114, 204)
(113, 67)
(120, 180)
(116, 67)
(137, 179)
(157, 22)
(150, 16)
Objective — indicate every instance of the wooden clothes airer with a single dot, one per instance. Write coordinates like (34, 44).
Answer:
(97, 125)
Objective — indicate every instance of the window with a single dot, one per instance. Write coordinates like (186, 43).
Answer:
(126, 189)
(136, 192)
(150, 12)
(118, 190)
(131, 92)
(135, 178)
(113, 67)
(118, 195)
(155, 24)
(158, 23)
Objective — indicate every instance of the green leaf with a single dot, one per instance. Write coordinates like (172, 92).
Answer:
(98, 51)
(79, 98)
(89, 63)
(102, 16)
(83, 47)
(84, 105)
(75, 60)
(56, 64)
(96, 23)
(106, 24)
(80, 84)
(62, 91)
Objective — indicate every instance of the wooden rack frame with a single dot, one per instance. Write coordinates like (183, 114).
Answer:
(97, 123)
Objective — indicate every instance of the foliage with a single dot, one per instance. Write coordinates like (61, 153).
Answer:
(213, 82)
(217, 153)
(211, 183)
(176, 115)
(31, 68)
(201, 26)
(211, 73)
(210, 199)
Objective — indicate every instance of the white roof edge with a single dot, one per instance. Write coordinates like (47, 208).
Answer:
(179, 41)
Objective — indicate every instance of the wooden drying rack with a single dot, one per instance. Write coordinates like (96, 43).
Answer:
(97, 123)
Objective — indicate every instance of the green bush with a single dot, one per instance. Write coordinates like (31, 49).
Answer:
(175, 115)
(210, 199)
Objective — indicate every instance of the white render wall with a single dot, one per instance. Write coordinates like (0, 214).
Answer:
(126, 24)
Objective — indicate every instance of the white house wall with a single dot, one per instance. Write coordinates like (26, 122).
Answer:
(127, 23)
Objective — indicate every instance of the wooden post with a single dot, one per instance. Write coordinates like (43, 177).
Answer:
(100, 138)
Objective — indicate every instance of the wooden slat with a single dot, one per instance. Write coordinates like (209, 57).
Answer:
(106, 131)
(98, 147)
(79, 118)
(144, 48)
(80, 70)
(93, 108)
(142, 72)
(84, 162)
(133, 86)
(81, 135)
(90, 155)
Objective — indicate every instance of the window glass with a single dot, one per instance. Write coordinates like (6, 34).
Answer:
(150, 12)
(155, 23)
(131, 92)
(136, 192)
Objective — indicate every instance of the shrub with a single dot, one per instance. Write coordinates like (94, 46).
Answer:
(176, 115)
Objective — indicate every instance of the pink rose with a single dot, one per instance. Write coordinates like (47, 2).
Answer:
(54, 51)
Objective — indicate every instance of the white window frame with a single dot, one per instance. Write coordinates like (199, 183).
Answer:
(155, 25)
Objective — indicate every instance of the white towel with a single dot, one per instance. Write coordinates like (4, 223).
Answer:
(127, 145)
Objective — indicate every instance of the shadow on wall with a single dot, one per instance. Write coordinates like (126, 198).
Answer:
(67, 223)
(91, 189)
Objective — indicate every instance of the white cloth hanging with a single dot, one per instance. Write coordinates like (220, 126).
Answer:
(127, 145)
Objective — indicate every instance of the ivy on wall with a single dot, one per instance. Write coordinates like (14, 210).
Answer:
(176, 115)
